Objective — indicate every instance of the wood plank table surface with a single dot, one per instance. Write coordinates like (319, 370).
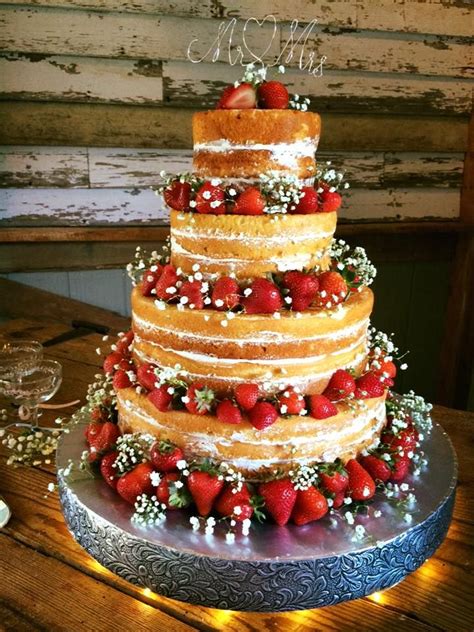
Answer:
(48, 582)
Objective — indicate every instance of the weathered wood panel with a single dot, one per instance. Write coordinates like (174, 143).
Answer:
(120, 167)
(54, 207)
(201, 86)
(56, 31)
(450, 18)
(65, 78)
(129, 126)
(45, 166)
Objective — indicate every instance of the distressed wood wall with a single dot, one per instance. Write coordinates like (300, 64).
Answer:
(81, 77)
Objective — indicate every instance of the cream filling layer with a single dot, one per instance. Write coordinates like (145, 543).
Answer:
(195, 234)
(204, 358)
(264, 336)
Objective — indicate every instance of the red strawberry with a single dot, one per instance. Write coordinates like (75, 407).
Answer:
(321, 407)
(368, 386)
(121, 380)
(160, 398)
(146, 375)
(109, 473)
(192, 291)
(262, 415)
(166, 284)
(241, 97)
(310, 505)
(103, 441)
(204, 488)
(91, 431)
(149, 280)
(210, 199)
(361, 485)
(280, 498)
(100, 414)
(177, 195)
(123, 343)
(272, 95)
(400, 469)
(330, 201)
(225, 294)
(164, 456)
(308, 203)
(165, 489)
(291, 402)
(235, 503)
(228, 412)
(302, 287)
(135, 483)
(115, 361)
(250, 202)
(332, 289)
(386, 370)
(265, 298)
(338, 500)
(378, 469)
(199, 399)
(406, 440)
(246, 395)
(340, 386)
(336, 481)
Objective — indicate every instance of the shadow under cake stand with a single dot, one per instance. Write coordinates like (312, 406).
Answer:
(274, 568)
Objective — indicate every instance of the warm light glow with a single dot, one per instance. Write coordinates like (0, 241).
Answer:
(94, 564)
(147, 592)
(378, 597)
(222, 616)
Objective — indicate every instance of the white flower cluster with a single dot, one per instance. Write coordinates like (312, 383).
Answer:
(354, 265)
(382, 342)
(334, 179)
(283, 192)
(298, 103)
(417, 408)
(132, 450)
(252, 75)
(305, 476)
(231, 476)
(101, 391)
(170, 375)
(148, 511)
(145, 261)
(32, 447)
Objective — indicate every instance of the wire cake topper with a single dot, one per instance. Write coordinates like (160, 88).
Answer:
(296, 45)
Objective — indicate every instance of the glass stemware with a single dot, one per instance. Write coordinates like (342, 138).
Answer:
(29, 389)
(19, 358)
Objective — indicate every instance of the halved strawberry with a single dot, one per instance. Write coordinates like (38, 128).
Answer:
(225, 293)
(273, 95)
(228, 412)
(310, 505)
(321, 407)
(262, 415)
(177, 195)
(166, 285)
(340, 386)
(149, 280)
(308, 202)
(210, 199)
(250, 202)
(264, 298)
(135, 483)
(199, 399)
(204, 488)
(302, 289)
(165, 455)
(241, 97)
(280, 497)
(192, 292)
(247, 395)
(291, 402)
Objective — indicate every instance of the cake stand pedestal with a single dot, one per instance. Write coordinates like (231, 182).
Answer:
(275, 568)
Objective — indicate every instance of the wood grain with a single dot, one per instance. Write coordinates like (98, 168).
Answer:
(387, 15)
(129, 126)
(101, 167)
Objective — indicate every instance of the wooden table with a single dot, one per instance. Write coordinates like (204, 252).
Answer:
(50, 583)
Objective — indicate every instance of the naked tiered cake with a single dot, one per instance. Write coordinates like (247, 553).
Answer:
(251, 379)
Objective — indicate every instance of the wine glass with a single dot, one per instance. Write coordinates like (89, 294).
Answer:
(19, 358)
(28, 390)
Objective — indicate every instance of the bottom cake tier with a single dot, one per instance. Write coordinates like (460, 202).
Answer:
(290, 442)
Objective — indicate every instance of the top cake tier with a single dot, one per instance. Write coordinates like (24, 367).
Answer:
(240, 145)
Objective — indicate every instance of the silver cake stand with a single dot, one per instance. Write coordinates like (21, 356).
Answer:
(274, 568)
